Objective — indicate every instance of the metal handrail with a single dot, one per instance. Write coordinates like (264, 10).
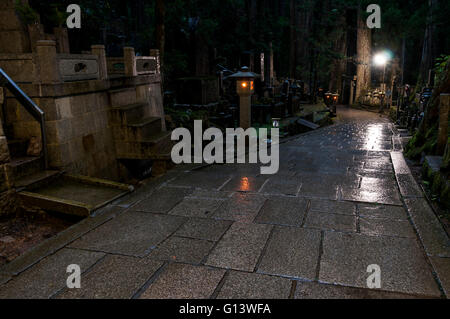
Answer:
(29, 105)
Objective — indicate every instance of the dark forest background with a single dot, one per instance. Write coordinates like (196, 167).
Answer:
(308, 37)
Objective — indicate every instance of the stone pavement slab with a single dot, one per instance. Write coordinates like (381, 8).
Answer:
(242, 285)
(408, 186)
(282, 185)
(442, 268)
(376, 183)
(319, 191)
(333, 207)
(314, 290)
(132, 233)
(180, 249)
(197, 207)
(48, 276)
(280, 210)
(399, 163)
(403, 266)
(211, 194)
(162, 200)
(432, 234)
(204, 228)
(336, 222)
(181, 281)
(4, 278)
(240, 247)
(201, 179)
(382, 211)
(245, 183)
(386, 227)
(373, 195)
(115, 277)
(291, 252)
(240, 207)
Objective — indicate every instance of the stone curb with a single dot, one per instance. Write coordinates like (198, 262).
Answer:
(56, 243)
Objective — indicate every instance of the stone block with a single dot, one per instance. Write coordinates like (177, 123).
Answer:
(131, 233)
(386, 227)
(123, 97)
(242, 285)
(314, 290)
(203, 228)
(63, 107)
(115, 277)
(4, 150)
(382, 211)
(197, 207)
(280, 210)
(179, 281)
(336, 222)
(48, 276)
(240, 247)
(403, 266)
(184, 250)
(14, 41)
(291, 252)
(240, 207)
(162, 200)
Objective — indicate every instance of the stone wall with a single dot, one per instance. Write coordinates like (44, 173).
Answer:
(13, 34)
(4, 152)
(79, 134)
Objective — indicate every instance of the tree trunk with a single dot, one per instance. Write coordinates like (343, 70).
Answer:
(363, 48)
(292, 38)
(160, 31)
(303, 25)
(338, 66)
(429, 46)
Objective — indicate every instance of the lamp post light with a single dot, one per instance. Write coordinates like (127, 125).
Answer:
(381, 59)
(245, 88)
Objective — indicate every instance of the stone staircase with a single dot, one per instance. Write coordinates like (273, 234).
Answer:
(24, 170)
(138, 135)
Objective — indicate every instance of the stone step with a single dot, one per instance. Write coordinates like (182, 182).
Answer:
(148, 148)
(23, 166)
(73, 194)
(18, 148)
(139, 130)
(145, 128)
(121, 97)
(126, 114)
(434, 162)
(41, 178)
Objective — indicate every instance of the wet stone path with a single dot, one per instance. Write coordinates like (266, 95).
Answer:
(342, 200)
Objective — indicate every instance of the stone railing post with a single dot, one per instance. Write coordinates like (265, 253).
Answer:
(99, 50)
(47, 62)
(155, 53)
(129, 59)
(444, 105)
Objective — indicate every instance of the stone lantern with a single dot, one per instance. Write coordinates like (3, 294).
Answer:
(335, 97)
(245, 88)
(328, 98)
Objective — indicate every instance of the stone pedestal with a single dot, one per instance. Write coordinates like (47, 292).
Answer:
(99, 50)
(245, 107)
(62, 40)
(129, 59)
(47, 62)
(443, 123)
(155, 53)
